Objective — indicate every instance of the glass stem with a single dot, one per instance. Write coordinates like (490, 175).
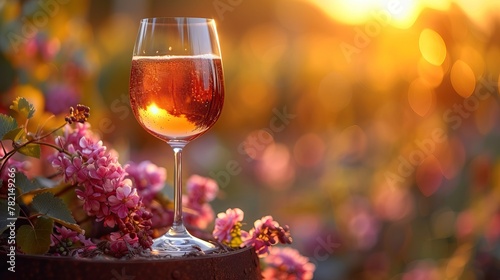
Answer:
(178, 227)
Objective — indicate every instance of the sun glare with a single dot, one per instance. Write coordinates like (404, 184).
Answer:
(401, 13)
(153, 109)
(350, 12)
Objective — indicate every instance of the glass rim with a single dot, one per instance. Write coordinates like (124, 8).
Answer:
(163, 20)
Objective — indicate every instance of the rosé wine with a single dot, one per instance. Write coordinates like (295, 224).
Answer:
(177, 97)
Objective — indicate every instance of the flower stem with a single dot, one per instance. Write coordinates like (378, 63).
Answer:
(36, 140)
(49, 133)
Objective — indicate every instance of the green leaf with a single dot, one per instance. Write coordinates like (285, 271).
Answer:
(49, 205)
(25, 185)
(23, 107)
(7, 213)
(35, 240)
(7, 123)
(31, 150)
(15, 134)
(73, 226)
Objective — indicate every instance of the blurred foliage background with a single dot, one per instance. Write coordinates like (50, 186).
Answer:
(369, 126)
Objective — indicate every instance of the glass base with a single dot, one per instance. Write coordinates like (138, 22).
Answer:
(179, 245)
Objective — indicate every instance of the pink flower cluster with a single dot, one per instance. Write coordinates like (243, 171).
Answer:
(200, 191)
(265, 233)
(103, 187)
(226, 223)
(19, 166)
(64, 240)
(148, 178)
(287, 263)
(284, 263)
(228, 227)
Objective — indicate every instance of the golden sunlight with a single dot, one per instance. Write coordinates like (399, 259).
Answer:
(162, 122)
(398, 13)
(153, 109)
(432, 47)
(401, 13)
(350, 12)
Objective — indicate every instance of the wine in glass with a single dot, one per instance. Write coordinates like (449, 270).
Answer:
(177, 93)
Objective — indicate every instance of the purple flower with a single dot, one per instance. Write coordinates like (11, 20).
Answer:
(226, 223)
(201, 189)
(71, 136)
(119, 244)
(148, 178)
(198, 215)
(126, 198)
(287, 263)
(91, 200)
(19, 166)
(60, 97)
(90, 148)
(265, 233)
(422, 269)
(65, 240)
(63, 233)
(102, 185)
(73, 166)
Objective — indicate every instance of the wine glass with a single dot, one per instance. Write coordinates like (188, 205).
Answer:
(177, 93)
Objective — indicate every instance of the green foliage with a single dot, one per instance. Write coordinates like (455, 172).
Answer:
(45, 206)
(15, 134)
(18, 136)
(26, 185)
(53, 207)
(7, 123)
(23, 107)
(31, 150)
(7, 212)
(9, 129)
(49, 205)
(36, 239)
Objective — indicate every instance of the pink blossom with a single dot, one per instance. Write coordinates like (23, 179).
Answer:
(59, 97)
(63, 163)
(225, 223)
(126, 197)
(118, 244)
(63, 233)
(115, 236)
(106, 167)
(360, 222)
(201, 189)
(19, 166)
(72, 136)
(109, 186)
(148, 178)
(203, 215)
(108, 220)
(102, 186)
(287, 263)
(162, 217)
(265, 233)
(73, 166)
(91, 200)
(90, 148)
(422, 269)
(86, 241)
(64, 240)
